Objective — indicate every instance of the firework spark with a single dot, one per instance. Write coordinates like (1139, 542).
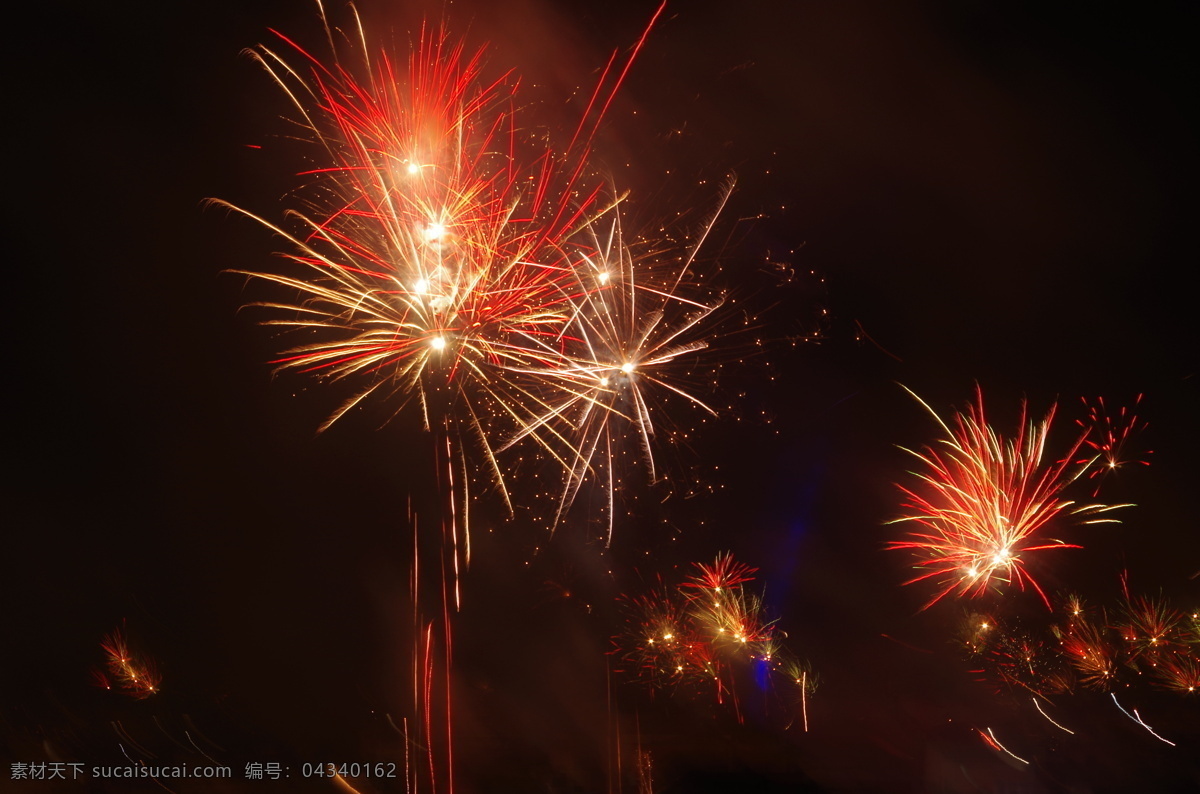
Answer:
(985, 499)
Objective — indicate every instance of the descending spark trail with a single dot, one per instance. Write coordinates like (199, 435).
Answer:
(983, 502)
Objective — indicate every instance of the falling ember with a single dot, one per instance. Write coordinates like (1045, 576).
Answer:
(1138, 719)
(982, 502)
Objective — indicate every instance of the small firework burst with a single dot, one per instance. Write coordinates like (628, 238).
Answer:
(1109, 435)
(976, 632)
(706, 633)
(725, 572)
(1150, 628)
(1179, 671)
(129, 672)
(1140, 640)
(1090, 649)
(100, 679)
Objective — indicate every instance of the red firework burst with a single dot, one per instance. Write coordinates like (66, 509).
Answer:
(983, 501)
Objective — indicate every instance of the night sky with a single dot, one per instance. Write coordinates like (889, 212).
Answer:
(974, 193)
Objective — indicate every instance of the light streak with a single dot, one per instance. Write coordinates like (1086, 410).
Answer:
(1138, 719)
(991, 739)
(804, 698)
(1038, 706)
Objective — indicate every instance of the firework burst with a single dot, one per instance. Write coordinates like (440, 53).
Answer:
(1151, 629)
(636, 329)
(1179, 672)
(1090, 650)
(131, 673)
(1108, 437)
(708, 632)
(984, 501)
(447, 258)
(436, 242)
